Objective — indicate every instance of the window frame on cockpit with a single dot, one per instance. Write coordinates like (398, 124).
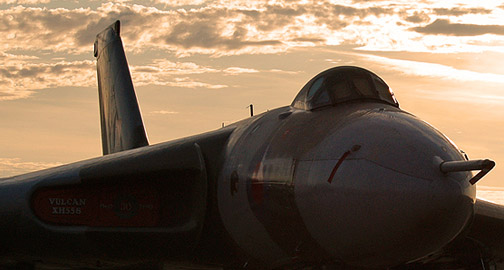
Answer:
(317, 93)
(309, 98)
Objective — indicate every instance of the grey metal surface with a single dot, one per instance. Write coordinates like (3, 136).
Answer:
(177, 170)
(386, 204)
(121, 122)
(484, 166)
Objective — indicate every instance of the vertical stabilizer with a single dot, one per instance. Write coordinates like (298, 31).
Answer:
(121, 122)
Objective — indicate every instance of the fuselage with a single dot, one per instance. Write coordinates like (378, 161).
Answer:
(354, 184)
(342, 176)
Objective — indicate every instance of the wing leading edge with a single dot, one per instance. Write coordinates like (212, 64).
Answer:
(488, 226)
(155, 197)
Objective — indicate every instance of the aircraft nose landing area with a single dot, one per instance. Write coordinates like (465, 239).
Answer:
(378, 193)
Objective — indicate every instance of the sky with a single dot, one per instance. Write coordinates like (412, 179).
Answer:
(199, 64)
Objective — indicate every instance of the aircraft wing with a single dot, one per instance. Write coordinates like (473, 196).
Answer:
(154, 197)
(488, 226)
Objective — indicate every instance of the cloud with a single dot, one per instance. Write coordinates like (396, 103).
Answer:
(206, 30)
(215, 28)
(425, 69)
(20, 79)
(279, 71)
(16, 57)
(167, 73)
(239, 70)
(173, 68)
(308, 39)
(189, 83)
(490, 188)
(177, 3)
(461, 96)
(204, 34)
(445, 27)
(219, 28)
(164, 72)
(163, 112)
(210, 28)
(418, 17)
(15, 166)
(459, 11)
(492, 194)
(36, 28)
(24, 2)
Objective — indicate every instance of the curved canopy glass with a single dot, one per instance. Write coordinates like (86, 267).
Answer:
(343, 84)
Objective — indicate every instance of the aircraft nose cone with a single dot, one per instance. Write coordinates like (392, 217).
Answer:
(379, 200)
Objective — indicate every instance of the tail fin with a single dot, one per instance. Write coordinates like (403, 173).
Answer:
(121, 122)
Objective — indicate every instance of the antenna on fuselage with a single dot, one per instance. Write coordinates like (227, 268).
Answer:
(251, 106)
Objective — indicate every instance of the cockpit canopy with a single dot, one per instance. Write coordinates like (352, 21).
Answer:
(342, 84)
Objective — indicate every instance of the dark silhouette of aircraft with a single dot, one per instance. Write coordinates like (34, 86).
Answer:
(340, 179)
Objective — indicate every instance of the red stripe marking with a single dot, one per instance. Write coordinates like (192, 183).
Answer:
(257, 187)
(338, 164)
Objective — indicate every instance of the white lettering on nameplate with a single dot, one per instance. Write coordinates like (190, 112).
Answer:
(64, 206)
